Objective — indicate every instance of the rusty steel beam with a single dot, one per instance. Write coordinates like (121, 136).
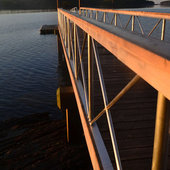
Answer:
(134, 13)
(152, 67)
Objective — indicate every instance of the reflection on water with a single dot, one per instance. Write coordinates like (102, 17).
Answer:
(29, 72)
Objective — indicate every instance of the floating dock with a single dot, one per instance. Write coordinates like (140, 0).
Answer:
(48, 29)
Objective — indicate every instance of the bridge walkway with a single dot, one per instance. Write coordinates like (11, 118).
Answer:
(133, 116)
(102, 60)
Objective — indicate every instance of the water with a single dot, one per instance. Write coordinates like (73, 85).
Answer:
(29, 72)
(29, 68)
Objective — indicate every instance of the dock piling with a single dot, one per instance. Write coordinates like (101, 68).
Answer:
(67, 125)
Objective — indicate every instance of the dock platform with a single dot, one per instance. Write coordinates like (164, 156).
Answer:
(48, 29)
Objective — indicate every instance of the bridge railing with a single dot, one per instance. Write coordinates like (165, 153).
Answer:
(69, 32)
(145, 23)
(148, 63)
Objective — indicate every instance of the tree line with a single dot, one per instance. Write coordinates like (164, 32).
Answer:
(51, 4)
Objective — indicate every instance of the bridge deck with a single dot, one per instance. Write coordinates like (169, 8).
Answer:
(134, 114)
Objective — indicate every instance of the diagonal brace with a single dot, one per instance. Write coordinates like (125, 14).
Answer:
(119, 95)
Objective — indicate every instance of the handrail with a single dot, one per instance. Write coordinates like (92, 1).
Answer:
(134, 13)
(89, 137)
(70, 40)
(134, 16)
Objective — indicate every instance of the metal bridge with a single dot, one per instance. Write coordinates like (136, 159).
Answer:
(118, 61)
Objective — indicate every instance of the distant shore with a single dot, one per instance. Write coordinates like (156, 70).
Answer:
(54, 10)
(26, 11)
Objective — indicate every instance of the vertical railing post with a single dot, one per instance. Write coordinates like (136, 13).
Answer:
(68, 38)
(91, 16)
(82, 70)
(65, 31)
(160, 150)
(75, 51)
(90, 77)
(86, 13)
(62, 26)
(115, 19)
(133, 23)
(163, 29)
(104, 17)
(96, 15)
(62, 23)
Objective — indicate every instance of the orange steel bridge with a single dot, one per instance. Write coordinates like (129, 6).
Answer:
(119, 66)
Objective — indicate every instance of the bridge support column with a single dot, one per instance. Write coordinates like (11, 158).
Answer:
(160, 151)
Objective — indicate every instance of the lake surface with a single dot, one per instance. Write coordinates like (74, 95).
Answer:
(29, 70)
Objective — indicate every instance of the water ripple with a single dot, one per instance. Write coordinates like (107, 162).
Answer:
(28, 64)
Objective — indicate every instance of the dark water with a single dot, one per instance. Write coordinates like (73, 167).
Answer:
(29, 72)
(29, 68)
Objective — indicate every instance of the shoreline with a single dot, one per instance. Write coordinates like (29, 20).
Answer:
(39, 141)
(55, 10)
